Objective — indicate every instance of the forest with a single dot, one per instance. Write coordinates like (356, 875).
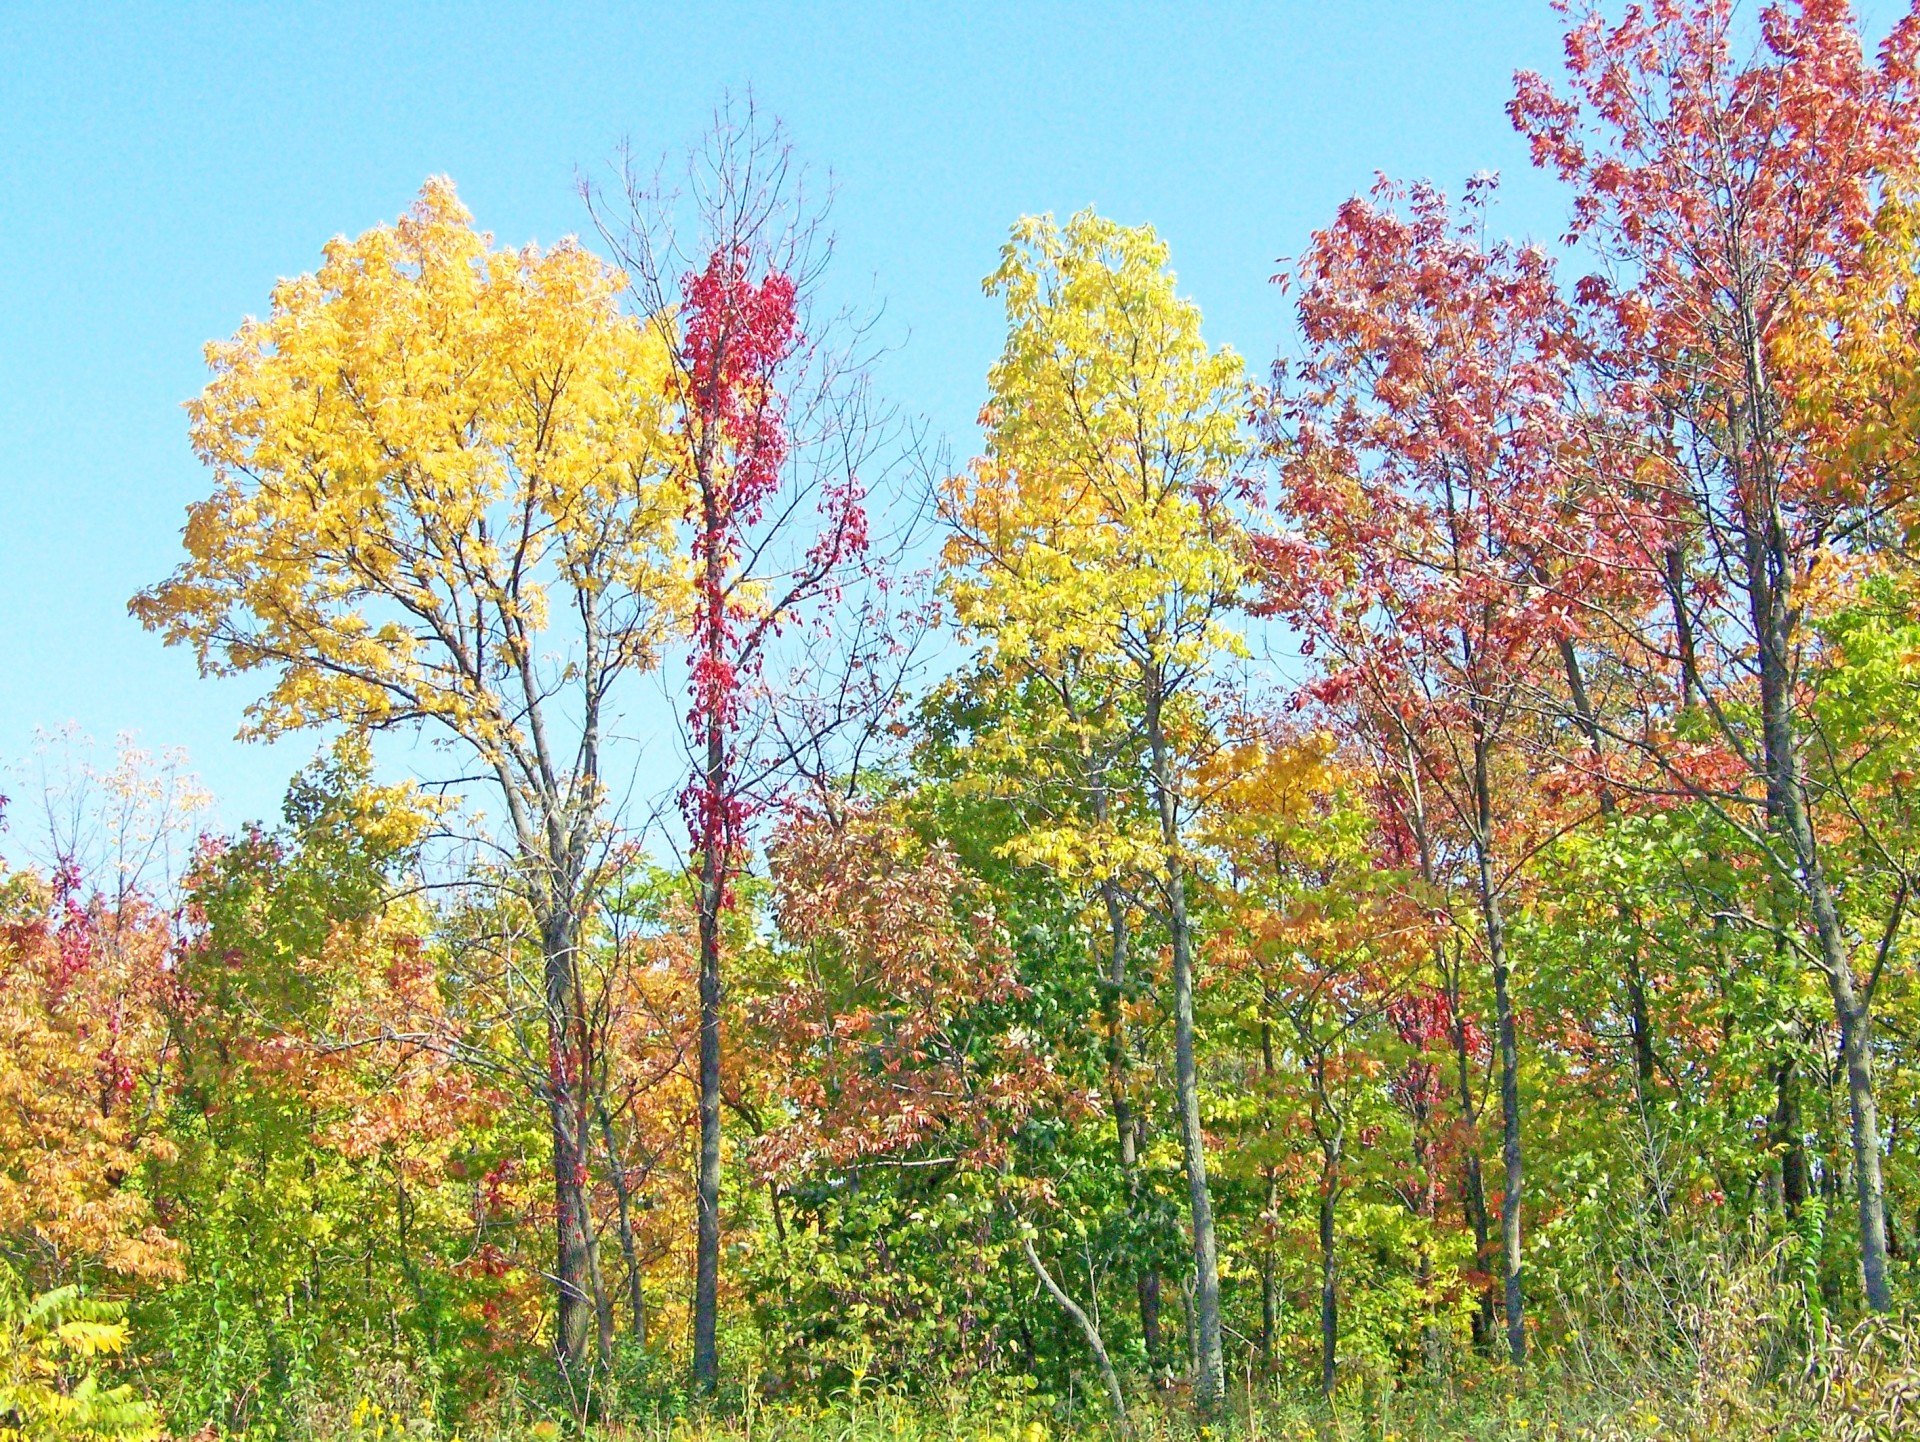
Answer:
(1367, 894)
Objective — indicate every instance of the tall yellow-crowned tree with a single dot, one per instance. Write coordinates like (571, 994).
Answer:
(443, 496)
(1095, 539)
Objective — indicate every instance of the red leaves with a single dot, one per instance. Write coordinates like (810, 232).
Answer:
(1666, 137)
(887, 1049)
(1428, 442)
(737, 336)
(738, 333)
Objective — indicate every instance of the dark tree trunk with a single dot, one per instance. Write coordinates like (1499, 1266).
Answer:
(566, 1083)
(1789, 1138)
(1508, 1040)
(706, 1276)
(1329, 1263)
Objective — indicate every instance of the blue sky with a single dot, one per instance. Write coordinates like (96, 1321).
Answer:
(161, 165)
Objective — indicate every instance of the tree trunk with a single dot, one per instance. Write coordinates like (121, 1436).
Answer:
(1269, 1319)
(1126, 1138)
(1787, 800)
(1856, 1027)
(1088, 1330)
(1788, 1137)
(629, 1248)
(706, 1276)
(1510, 1195)
(1514, 1178)
(1209, 1382)
(1473, 1188)
(565, 1081)
(1329, 1263)
(602, 1298)
(1147, 1292)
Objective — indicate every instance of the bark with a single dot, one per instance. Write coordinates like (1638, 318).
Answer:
(713, 844)
(1473, 1190)
(1209, 1389)
(572, 1224)
(1147, 1292)
(1514, 1176)
(1787, 802)
(1426, 1207)
(1769, 564)
(706, 1279)
(1330, 1149)
(1268, 1319)
(629, 1248)
(1788, 1137)
(602, 1298)
(1088, 1329)
(1126, 1128)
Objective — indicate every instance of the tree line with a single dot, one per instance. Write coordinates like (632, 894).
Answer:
(1392, 864)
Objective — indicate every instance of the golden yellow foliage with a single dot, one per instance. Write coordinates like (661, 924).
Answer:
(429, 456)
(1097, 523)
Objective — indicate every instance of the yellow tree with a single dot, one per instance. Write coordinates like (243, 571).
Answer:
(443, 497)
(1095, 539)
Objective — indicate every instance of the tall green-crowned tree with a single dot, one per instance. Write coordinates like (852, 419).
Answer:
(1097, 534)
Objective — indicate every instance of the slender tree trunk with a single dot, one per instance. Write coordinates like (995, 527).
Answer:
(1330, 1147)
(1514, 1178)
(1087, 1328)
(565, 1079)
(1268, 1320)
(1788, 1137)
(1788, 805)
(1856, 1034)
(629, 1248)
(713, 841)
(1209, 1383)
(706, 1279)
(602, 1296)
(1147, 1293)
(1126, 1131)
(1473, 1187)
(1433, 1341)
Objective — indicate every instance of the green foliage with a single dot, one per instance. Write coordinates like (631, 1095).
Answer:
(54, 1349)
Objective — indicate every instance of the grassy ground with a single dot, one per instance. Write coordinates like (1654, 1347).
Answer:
(1854, 1404)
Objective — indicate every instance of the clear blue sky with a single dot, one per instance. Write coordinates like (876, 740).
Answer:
(161, 165)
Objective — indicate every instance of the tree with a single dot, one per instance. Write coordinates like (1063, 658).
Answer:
(1722, 196)
(891, 1039)
(83, 1055)
(445, 496)
(1321, 934)
(1097, 529)
(1422, 442)
(773, 420)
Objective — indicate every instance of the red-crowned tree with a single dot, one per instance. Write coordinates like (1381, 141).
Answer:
(774, 427)
(1722, 194)
(1422, 442)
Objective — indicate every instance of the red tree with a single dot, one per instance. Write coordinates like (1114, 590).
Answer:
(775, 424)
(1437, 545)
(1721, 194)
